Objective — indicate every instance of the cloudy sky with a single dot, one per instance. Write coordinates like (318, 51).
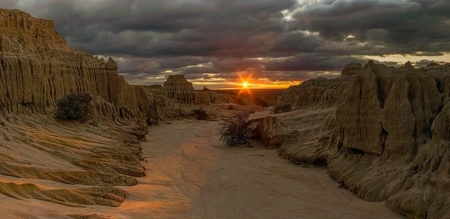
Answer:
(277, 42)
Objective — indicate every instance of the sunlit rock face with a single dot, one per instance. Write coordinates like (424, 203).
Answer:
(386, 138)
(398, 116)
(178, 88)
(37, 67)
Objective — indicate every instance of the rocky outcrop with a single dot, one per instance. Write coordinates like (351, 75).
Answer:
(352, 69)
(37, 68)
(395, 124)
(386, 139)
(272, 131)
(318, 92)
(178, 88)
(206, 97)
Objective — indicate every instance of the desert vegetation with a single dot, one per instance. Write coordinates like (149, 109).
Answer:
(201, 114)
(74, 107)
(234, 129)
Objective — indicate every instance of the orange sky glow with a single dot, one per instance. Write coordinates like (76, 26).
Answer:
(251, 84)
(244, 80)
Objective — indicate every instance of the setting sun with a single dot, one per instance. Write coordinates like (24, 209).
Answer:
(244, 82)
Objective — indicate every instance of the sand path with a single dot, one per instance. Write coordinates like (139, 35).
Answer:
(200, 178)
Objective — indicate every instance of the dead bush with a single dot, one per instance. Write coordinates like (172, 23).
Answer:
(233, 129)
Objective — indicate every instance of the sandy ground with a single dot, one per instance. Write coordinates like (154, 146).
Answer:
(190, 174)
(213, 181)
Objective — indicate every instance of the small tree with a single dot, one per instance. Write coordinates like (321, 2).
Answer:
(233, 130)
(201, 114)
(74, 107)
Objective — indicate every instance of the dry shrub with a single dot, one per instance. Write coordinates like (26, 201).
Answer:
(232, 107)
(74, 107)
(201, 114)
(233, 129)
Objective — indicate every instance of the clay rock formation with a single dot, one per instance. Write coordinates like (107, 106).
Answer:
(37, 67)
(97, 156)
(318, 92)
(387, 140)
(352, 69)
(272, 131)
(211, 97)
(404, 110)
(178, 88)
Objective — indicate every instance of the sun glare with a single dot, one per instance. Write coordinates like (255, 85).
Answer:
(245, 84)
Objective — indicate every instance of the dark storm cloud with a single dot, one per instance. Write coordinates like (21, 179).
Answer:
(275, 39)
(8, 4)
(132, 64)
(311, 62)
(192, 28)
(237, 65)
(415, 25)
(423, 63)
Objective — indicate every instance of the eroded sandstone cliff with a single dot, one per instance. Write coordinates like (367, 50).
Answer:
(37, 68)
(384, 134)
(318, 92)
(178, 88)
